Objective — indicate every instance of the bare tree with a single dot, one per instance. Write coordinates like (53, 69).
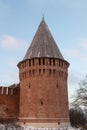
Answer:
(81, 94)
(77, 117)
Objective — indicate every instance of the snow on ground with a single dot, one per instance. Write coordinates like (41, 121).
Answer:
(23, 127)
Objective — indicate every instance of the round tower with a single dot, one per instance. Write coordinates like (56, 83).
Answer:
(43, 82)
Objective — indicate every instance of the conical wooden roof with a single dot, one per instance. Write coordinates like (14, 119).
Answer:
(43, 44)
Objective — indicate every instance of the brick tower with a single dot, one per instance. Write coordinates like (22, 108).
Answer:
(43, 82)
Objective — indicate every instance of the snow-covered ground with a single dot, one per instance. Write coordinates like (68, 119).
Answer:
(23, 127)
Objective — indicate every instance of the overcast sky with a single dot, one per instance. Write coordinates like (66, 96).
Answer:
(67, 21)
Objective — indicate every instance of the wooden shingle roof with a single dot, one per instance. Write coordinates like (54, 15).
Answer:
(43, 44)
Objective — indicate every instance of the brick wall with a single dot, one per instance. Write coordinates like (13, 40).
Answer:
(9, 103)
(43, 90)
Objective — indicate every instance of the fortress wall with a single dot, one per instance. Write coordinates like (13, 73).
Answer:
(9, 102)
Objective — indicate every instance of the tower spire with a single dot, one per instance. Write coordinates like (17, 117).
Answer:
(43, 17)
(43, 44)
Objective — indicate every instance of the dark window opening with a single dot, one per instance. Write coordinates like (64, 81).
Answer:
(41, 102)
(53, 61)
(33, 62)
(58, 123)
(6, 109)
(29, 62)
(57, 85)
(39, 61)
(43, 71)
(29, 85)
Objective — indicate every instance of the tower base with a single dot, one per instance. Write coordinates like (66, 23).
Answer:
(46, 125)
(44, 122)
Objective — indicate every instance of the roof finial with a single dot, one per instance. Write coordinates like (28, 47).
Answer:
(43, 17)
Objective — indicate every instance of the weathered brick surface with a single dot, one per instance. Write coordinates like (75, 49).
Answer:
(43, 90)
(9, 103)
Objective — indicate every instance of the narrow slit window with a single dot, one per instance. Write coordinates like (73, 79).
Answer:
(41, 102)
(29, 62)
(29, 85)
(49, 71)
(33, 62)
(57, 85)
(39, 61)
(58, 123)
(43, 61)
(43, 71)
(54, 62)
